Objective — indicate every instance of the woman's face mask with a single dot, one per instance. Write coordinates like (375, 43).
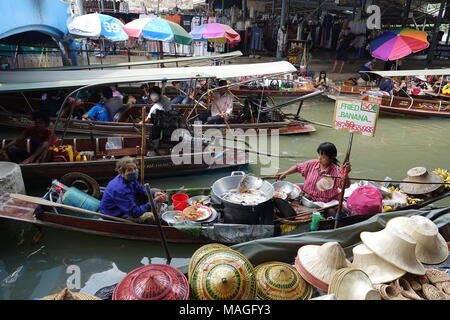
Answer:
(133, 176)
(154, 97)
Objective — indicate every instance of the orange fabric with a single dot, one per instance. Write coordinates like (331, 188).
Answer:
(175, 18)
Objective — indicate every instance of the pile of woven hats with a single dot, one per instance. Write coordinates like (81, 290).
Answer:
(388, 265)
(394, 259)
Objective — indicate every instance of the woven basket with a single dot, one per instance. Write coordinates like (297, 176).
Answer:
(432, 293)
(223, 275)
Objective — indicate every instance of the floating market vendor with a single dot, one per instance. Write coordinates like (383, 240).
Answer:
(124, 197)
(317, 187)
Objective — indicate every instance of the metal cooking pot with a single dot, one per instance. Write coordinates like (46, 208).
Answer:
(288, 188)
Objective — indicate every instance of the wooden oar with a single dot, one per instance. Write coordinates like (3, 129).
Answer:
(44, 202)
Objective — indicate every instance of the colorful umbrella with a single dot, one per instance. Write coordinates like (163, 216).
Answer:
(158, 29)
(393, 45)
(215, 32)
(96, 25)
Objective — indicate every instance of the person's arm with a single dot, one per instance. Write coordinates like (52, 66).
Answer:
(347, 167)
(13, 143)
(284, 174)
(39, 151)
(125, 202)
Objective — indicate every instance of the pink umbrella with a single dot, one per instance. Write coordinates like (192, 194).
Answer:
(215, 32)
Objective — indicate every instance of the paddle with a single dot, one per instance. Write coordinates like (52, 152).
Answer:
(44, 202)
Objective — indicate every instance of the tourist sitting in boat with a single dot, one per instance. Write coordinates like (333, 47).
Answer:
(421, 86)
(185, 91)
(125, 197)
(316, 186)
(369, 66)
(400, 88)
(41, 137)
(386, 85)
(97, 112)
(52, 103)
(116, 92)
(221, 105)
(322, 80)
(113, 104)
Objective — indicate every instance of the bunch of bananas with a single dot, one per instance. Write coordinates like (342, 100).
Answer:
(444, 174)
(412, 200)
(387, 208)
(392, 189)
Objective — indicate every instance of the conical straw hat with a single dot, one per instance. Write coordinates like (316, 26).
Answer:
(431, 247)
(66, 294)
(395, 247)
(280, 281)
(317, 264)
(353, 284)
(420, 174)
(378, 270)
(200, 252)
(223, 275)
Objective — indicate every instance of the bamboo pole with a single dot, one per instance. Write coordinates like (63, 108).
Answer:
(143, 146)
(344, 179)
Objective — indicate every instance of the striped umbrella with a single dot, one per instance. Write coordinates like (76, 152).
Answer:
(393, 45)
(215, 32)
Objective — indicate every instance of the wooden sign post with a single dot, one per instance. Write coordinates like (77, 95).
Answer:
(354, 116)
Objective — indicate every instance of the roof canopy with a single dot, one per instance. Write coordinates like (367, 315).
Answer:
(35, 80)
(405, 73)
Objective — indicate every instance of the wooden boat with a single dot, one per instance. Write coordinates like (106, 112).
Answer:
(101, 169)
(244, 92)
(346, 89)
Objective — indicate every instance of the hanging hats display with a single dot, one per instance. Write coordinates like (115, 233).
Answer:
(395, 247)
(431, 247)
(223, 275)
(66, 294)
(420, 174)
(378, 270)
(280, 281)
(352, 284)
(200, 252)
(153, 282)
(317, 264)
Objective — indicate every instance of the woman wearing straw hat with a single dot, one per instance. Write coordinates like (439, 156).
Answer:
(317, 186)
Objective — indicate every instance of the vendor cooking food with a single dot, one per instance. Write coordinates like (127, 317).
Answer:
(318, 187)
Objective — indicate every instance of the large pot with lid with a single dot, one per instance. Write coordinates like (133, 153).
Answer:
(259, 212)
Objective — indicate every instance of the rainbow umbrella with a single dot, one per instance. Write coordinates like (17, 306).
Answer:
(393, 45)
(158, 29)
(215, 32)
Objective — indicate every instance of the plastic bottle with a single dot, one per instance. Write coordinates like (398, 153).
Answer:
(316, 217)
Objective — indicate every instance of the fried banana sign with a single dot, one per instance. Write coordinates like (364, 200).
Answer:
(356, 116)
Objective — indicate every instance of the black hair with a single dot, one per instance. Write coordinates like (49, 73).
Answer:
(321, 73)
(107, 92)
(222, 83)
(39, 115)
(96, 97)
(156, 89)
(328, 149)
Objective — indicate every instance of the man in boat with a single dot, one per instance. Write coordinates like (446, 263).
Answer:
(41, 137)
(221, 105)
(52, 103)
(316, 186)
(185, 91)
(369, 66)
(125, 197)
(160, 104)
(113, 104)
(97, 112)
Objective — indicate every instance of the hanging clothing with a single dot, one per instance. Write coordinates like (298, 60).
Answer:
(281, 40)
(256, 38)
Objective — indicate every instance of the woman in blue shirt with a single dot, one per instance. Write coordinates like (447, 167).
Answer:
(122, 194)
(97, 112)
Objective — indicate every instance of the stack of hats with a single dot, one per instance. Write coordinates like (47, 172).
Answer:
(393, 257)
(220, 273)
(280, 281)
(153, 282)
(352, 284)
(66, 294)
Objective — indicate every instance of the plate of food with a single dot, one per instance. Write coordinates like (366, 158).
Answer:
(280, 194)
(197, 212)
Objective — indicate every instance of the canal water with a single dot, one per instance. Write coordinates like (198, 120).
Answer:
(31, 270)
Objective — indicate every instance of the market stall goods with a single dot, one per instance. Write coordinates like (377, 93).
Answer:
(431, 247)
(200, 252)
(317, 264)
(352, 284)
(66, 294)
(420, 174)
(394, 247)
(378, 270)
(280, 281)
(153, 282)
(223, 275)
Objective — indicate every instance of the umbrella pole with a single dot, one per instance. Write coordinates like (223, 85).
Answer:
(176, 56)
(143, 146)
(161, 53)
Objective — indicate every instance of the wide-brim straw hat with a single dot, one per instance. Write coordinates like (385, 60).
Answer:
(66, 294)
(352, 284)
(280, 281)
(395, 247)
(223, 275)
(200, 252)
(431, 247)
(420, 174)
(378, 270)
(317, 264)
(153, 282)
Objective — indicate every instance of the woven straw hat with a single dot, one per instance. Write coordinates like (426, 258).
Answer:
(352, 284)
(395, 247)
(420, 174)
(153, 282)
(223, 275)
(317, 264)
(431, 247)
(66, 294)
(378, 270)
(200, 252)
(280, 281)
